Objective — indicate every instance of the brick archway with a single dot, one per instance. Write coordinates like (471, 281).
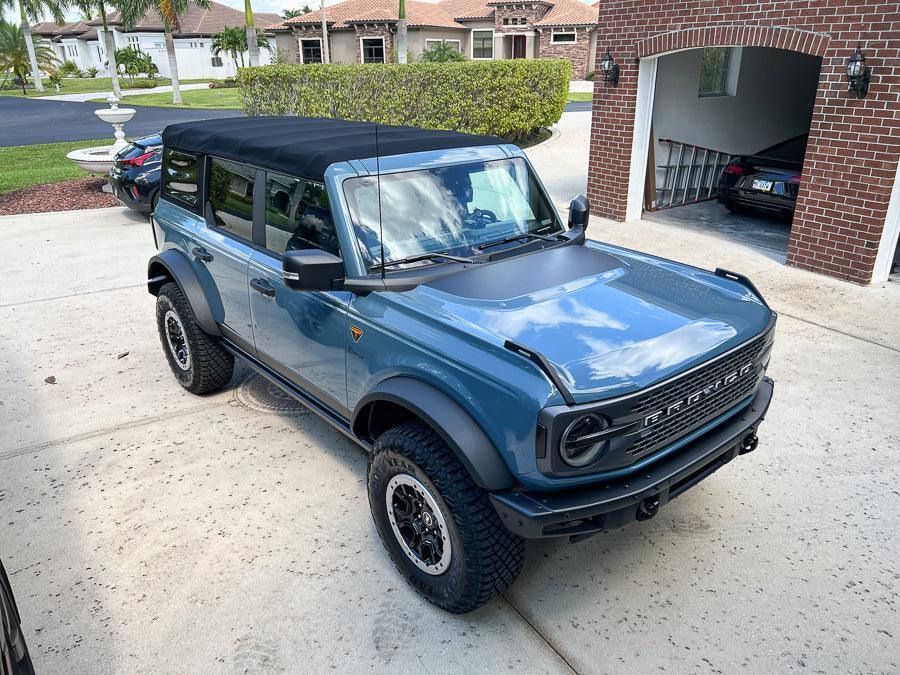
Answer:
(854, 144)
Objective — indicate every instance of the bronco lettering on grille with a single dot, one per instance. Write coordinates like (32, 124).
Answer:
(684, 403)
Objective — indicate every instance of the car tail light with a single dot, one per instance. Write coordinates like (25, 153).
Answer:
(735, 169)
(795, 179)
(137, 161)
(134, 191)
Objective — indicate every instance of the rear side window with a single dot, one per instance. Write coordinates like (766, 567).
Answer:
(180, 177)
(298, 215)
(231, 197)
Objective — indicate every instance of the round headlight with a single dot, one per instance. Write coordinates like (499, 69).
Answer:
(578, 444)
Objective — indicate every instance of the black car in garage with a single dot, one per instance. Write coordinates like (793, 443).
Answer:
(134, 178)
(14, 657)
(767, 181)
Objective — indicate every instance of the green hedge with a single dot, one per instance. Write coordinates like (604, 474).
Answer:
(506, 98)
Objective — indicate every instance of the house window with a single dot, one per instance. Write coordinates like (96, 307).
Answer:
(431, 43)
(372, 50)
(134, 41)
(311, 50)
(714, 71)
(216, 62)
(482, 44)
(505, 22)
(562, 36)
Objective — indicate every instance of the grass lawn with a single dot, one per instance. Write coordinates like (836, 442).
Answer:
(580, 96)
(26, 165)
(195, 98)
(79, 85)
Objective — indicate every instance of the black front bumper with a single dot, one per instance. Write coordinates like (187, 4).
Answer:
(611, 505)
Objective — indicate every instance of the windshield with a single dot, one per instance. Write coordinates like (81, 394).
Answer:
(451, 209)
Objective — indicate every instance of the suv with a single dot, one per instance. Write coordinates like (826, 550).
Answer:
(417, 290)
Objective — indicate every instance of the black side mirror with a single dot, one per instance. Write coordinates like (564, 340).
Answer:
(312, 269)
(579, 212)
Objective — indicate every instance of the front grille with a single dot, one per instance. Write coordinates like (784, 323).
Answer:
(671, 428)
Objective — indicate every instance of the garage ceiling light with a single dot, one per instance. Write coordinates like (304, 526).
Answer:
(858, 73)
(610, 69)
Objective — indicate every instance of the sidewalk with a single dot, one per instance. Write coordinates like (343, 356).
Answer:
(81, 98)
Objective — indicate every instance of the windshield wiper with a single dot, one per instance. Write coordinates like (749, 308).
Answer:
(517, 237)
(427, 256)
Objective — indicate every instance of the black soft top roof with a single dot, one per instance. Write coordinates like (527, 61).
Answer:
(306, 146)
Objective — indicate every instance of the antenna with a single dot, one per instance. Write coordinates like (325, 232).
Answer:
(378, 187)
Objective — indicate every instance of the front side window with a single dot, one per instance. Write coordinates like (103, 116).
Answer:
(451, 209)
(311, 51)
(231, 197)
(179, 177)
(372, 50)
(714, 71)
(482, 44)
(298, 216)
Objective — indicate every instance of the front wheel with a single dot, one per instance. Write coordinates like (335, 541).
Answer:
(437, 525)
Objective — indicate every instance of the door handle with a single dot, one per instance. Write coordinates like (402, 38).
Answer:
(262, 286)
(201, 253)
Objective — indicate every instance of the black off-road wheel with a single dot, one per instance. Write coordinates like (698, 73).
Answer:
(198, 362)
(437, 525)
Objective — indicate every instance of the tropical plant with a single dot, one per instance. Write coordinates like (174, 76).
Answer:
(280, 55)
(232, 40)
(294, 13)
(134, 62)
(250, 30)
(69, 69)
(169, 12)
(92, 71)
(442, 52)
(33, 11)
(15, 57)
(91, 8)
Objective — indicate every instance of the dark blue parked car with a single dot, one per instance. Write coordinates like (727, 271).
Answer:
(134, 178)
(418, 290)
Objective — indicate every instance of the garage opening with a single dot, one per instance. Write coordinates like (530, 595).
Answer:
(727, 140)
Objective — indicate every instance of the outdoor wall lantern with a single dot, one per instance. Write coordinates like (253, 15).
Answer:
(610, 69)
(858, 73)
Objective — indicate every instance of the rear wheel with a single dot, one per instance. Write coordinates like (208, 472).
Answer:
(198, 362)
(437, 525)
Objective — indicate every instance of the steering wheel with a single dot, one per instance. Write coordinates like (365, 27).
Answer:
(480, 218)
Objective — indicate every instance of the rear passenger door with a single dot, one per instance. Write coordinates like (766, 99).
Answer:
(224, 246)
(300, 334)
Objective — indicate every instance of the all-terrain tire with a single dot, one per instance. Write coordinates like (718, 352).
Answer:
(486, 558)
(204, 366)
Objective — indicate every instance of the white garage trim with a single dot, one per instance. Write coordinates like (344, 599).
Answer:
(640, 142)
(889, 235)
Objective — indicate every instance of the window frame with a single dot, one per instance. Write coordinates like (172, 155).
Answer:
(201, 182)
(724, 88)
(472, 44)
(439, 40)
(563, 31)
(362, 53)
(300, 42)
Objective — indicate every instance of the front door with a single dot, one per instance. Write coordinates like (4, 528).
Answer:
(300, 334)
(518, 46)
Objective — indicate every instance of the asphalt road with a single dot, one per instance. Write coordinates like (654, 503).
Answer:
(30, 121)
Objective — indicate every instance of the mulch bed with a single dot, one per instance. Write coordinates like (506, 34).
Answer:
(68, 195)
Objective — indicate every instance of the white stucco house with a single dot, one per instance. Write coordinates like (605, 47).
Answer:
(81, 41)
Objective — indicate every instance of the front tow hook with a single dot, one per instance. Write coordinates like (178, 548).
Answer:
(648, 508)
(749, 444)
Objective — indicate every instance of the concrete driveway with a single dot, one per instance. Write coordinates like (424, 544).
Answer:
(145, 529)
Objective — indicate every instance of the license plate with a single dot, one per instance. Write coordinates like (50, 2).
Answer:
(761, 184)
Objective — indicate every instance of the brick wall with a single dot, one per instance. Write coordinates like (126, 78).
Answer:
(375, 30)
(854, 144)
(518, 11)
(578, 53)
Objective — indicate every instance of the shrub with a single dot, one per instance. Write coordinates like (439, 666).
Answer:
(506, 98)
(442, 52)
(590, 75)
(227, 83)
(139, 83)
(69, 69)
(92, 71)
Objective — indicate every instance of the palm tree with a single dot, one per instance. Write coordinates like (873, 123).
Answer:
(233, 41)
(251, 34)
(294, 13)
(401, 33)
(89, 8)
(33, 11)
(169, 11)
(15, 57)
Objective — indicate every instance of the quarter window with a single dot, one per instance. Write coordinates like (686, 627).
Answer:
(231, 197)
(298, 216)
(180, 177)
(372, 50)
(482, 44)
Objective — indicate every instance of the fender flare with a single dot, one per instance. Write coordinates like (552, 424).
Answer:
(173, 264)
(451, 422)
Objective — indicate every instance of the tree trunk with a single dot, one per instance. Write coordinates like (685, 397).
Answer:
(401, 33)
(252, 44)
(326, 55)
(173, 65)
(110, 45)
(29, 44)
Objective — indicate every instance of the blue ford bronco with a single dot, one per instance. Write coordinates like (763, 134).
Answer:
(509, 378)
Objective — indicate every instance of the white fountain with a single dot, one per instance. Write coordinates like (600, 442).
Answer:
(101, 159)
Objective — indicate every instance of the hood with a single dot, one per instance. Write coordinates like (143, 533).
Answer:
(610, 321)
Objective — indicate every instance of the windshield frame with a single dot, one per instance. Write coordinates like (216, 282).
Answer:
(510, 155)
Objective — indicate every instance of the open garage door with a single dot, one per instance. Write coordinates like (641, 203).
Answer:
(728, 136)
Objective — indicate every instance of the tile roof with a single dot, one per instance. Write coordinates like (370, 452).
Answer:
(467, 9)
(341, 14)
(570, 13)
